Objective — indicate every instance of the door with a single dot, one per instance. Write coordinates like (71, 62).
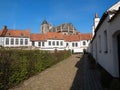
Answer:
(118, 40)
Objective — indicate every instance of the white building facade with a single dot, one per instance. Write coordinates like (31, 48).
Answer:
(105, 45)
(14, 38)
(46, 41)
(58, 41)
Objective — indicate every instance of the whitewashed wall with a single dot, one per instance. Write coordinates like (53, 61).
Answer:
(14, 45)
(76, 49)
(1, 41)
(108, 60)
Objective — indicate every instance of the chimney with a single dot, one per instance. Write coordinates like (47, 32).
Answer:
(4, 27)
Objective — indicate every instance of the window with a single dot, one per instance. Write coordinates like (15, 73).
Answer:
(61, 43)
(76, 44)
(39, 43)
(42, 43)
(99, 38)
(84, 43)
(57, 43)
(72, 44)
(49, 43)
(66, 44)
(105, 42)
(12, 41)
(26, 41)
(7, 41)
(21, 41)
(16, 41)
(33, 43)
(53, 43)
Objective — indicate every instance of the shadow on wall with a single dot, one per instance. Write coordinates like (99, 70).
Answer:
(78, 80)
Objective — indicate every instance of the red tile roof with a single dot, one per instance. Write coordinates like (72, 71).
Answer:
(44, 37)
(54, 35)
(60, 36)
(38, 37)
(0, 32)
(87, 36)
(15, 33)
(71, 38)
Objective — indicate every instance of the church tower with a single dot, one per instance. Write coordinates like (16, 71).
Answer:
(44, 27)
(96, 21)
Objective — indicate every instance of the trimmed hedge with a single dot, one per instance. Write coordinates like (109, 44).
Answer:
(18, 65)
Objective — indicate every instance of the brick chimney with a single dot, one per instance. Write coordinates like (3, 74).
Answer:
(4, 27)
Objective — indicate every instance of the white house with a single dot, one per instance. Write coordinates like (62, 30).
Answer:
(45, 41)
(53, 40)
(105, 45)
(14, 38)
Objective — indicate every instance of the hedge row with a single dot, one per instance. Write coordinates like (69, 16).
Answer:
(18, 65)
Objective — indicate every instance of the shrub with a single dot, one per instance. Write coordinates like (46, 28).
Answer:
(18, 65)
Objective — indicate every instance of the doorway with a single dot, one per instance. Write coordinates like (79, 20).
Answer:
(118, 41)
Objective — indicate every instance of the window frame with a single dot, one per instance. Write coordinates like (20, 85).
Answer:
(105, 42)
(39, 43)
(57, 43)
(12, 41)
(43, 43)
(53, 43)
(33, 43)
(49, 43)
(21, 41)
(84, 43)
(76, 44)
(26, 41)
(61, 43)
(7, 41)
(16, 41)
(72, 44)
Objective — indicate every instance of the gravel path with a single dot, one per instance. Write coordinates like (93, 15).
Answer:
(59, 77)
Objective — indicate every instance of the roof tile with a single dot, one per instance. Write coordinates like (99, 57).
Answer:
(15, 33)
(87, 36)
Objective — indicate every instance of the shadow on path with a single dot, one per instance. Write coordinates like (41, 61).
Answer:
(86, 78)
(78, 80)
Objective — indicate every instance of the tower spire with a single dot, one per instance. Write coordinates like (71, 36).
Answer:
(96, 15)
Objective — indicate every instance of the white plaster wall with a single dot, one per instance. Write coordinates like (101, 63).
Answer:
(55, 46)
(104, 59)
(107, 60)
(114, 31)
(94, 49)
(79, 48)
(75, 49)
(14, 45)
(1, 41)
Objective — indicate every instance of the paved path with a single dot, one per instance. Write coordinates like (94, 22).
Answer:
(71, 74)
(58, 77)
(91, 76)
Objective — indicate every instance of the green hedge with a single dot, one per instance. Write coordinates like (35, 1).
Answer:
(18, 65)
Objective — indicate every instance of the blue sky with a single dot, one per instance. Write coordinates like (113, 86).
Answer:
(24, 14)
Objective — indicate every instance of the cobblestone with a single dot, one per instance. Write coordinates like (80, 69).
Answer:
(71, 74)
(58, 77)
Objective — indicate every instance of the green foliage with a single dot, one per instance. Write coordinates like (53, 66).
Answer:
(18, 65)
